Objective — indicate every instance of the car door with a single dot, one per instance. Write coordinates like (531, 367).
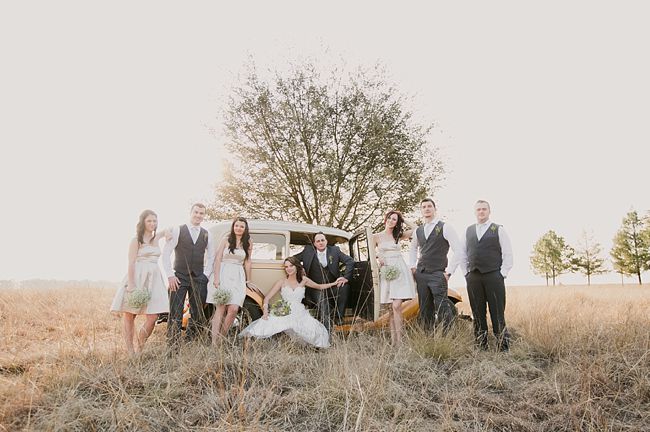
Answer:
(364, 287)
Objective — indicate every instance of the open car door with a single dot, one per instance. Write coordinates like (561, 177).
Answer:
(364, 287)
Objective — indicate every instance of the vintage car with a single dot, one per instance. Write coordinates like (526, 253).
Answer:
(273, 241)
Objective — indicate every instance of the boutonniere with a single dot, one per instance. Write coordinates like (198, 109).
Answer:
(437, 229)
(330, 259)
(493, 228)
(205, 236)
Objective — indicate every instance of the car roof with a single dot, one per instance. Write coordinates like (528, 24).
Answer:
(301, 233)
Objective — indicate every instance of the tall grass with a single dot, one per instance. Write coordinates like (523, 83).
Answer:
(580, 360)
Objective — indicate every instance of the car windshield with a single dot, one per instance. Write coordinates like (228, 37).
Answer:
(268, 246)
(300, 239)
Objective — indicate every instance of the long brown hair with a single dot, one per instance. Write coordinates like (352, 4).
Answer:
(245, 238)
(299, 268)
(139, 228)
(398, 230)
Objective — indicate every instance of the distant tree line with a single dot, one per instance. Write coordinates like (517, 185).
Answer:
(552, 256)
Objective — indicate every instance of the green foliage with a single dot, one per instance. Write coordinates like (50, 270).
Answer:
(587, 258)
(631, 251)
(552, 256)
(332, 148)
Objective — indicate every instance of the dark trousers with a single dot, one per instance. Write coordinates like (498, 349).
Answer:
(433, 300)
(328, 302)
(488, 288)
(196, 288)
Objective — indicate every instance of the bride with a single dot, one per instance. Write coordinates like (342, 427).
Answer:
(298, 323)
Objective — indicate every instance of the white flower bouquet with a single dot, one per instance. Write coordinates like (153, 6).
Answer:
(390, 272)
(221, 296)
(138, 298)
(280, 308)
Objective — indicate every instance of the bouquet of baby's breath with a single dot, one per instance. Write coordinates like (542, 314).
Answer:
(280, 308)
(138, 298)
(221, 296)
(390, 272)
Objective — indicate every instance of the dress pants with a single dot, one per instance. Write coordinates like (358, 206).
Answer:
(196, 288)
(432, 298)
(321, 299)
(488, 288)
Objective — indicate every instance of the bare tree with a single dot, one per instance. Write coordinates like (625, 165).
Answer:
(587, 258)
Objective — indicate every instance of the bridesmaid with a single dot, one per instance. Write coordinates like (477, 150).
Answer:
(232, 270)
(143, 274)
(389, 253)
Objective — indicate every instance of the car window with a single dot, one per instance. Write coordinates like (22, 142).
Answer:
(268, 246)
(360, 246)
(297, 248)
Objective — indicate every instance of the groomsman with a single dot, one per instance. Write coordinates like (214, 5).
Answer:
(431, 267)
(488, 260)
(193, 264)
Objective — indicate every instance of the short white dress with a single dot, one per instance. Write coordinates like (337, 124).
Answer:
(231, 277)
(148, 277)
(298, 324)
(404, 286)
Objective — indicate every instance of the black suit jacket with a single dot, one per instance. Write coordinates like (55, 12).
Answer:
(334, 258)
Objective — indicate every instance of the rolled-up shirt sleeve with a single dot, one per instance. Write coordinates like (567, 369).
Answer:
(506, 252)
(459, 259)
(167, 252)
(210, 252)
(413, 251)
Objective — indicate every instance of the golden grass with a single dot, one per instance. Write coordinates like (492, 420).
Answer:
(580, 360)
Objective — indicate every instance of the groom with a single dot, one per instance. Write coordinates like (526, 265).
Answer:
(322, 265)
(191, 244)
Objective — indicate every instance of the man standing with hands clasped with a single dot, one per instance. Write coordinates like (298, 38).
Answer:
(191, 244)
(489, 259)
(431, 268)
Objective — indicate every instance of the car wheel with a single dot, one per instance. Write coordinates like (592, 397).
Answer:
(454, 310)
(248, 313)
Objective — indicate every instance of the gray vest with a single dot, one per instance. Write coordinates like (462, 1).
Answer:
(189, 255)
(484, 255)
(433, 250)
(318, 273)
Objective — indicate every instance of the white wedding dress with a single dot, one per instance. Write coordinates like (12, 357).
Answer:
(298, 324)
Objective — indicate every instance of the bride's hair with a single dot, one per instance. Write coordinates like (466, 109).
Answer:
(245, 238)
(139, 228)
(300, 271)
(398, 231)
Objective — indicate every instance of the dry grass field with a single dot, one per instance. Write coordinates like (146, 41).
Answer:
(580, 361)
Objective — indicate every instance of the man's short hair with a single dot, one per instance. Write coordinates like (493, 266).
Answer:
(428, 200)
(199, 205)
(320, 233)
(483, 202)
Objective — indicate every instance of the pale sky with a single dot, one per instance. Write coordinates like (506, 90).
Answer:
(107, 110)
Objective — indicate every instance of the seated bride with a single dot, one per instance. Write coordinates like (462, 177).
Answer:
(290, 315)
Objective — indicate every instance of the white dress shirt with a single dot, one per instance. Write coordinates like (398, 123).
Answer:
(322, 257)
(504, 242)
(208, 263)
(448, 234)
